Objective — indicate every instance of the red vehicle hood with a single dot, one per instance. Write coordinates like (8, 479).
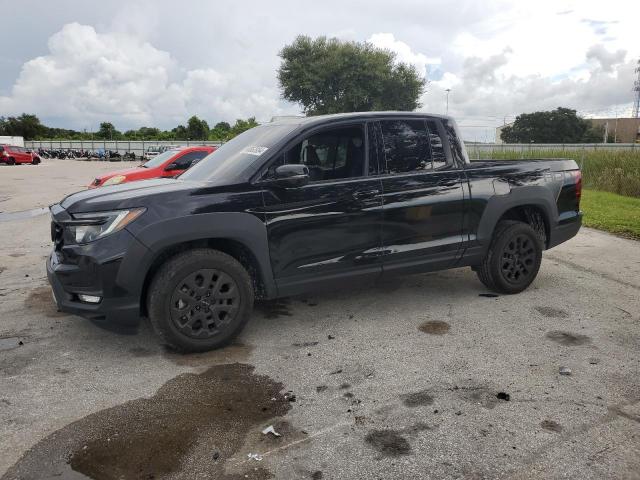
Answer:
(124, 171)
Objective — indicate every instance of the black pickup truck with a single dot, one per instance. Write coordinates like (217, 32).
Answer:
(297, 204)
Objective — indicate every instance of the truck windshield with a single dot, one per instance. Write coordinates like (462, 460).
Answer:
(235, 156)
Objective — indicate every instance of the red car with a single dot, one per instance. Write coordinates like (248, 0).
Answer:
(168, 164)
(12, 155)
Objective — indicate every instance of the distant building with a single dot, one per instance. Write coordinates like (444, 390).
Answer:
(499, 131)
(620, 130)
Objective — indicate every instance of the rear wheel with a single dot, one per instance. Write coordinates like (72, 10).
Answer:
(11, 161)
(200, 300)
(513, 259)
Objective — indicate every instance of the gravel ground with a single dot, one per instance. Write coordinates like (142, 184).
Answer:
(420, 377)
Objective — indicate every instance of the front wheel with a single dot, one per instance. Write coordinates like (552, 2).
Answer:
(513, 259)
(200, 300)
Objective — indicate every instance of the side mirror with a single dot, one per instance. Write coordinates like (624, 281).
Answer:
(171, 166)
(289, 176)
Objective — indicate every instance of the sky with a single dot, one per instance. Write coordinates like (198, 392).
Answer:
(76, 63)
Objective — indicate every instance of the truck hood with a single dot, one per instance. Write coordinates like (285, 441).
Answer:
(126, 195)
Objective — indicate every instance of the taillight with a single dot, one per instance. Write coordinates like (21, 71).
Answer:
(577, 175)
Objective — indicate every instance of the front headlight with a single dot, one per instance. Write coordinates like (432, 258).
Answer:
(114, 180)
(87, 227)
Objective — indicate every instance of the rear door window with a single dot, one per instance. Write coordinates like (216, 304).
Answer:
(406, 146)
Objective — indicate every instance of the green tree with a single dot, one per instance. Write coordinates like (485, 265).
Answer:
(108, 132)
(219, 131)
(25, 125)
(179, 133)
(197, 129)
(331, 76)
(561, 125)
(241, 126)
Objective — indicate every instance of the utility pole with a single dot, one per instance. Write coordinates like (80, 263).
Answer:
(636, 88)
(447, 90)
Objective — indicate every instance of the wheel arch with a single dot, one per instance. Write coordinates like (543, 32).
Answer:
(532, 205)
(240, 235)
(231, 247)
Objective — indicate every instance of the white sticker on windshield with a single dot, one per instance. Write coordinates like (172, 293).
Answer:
(254, 150)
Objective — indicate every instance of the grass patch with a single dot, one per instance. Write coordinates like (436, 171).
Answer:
(613, 213)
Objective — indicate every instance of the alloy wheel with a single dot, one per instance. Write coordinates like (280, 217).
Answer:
(204, 303)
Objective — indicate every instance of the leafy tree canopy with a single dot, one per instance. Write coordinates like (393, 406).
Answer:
(561, 125)
(331, 76)
(29, 127)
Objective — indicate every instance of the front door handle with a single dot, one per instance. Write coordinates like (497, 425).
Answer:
(365, 193)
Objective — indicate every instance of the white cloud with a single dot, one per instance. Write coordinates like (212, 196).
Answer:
(88, 77)
(404, 53)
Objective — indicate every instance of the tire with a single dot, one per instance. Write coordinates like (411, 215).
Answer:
(513, 259)
(179, 300)
(35, 161)
(11, 161)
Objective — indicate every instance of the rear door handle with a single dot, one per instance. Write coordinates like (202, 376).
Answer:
(365, 194)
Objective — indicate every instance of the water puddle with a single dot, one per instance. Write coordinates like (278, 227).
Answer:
(189, 428)
(22, 215)
(9, 343)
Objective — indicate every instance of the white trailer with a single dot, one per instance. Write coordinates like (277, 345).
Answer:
(8, 140)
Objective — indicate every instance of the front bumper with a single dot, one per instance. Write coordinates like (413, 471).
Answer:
(123, 311)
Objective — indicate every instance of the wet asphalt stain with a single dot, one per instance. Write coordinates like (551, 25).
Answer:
(568, 339)
(16, 255)
(41, 299)
(551, 426)
(392, 443)
(236, 352)
(321, 388)
(481, 395)
(271, 309)
(317, 475)
(552, 312)
(14, 364)
(21, 215)
(434, 327)
(2, 269)
(305, 344)
(174, 431)
(388, 442)
(417, 399)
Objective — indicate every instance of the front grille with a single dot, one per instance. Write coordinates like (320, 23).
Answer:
(56, 235)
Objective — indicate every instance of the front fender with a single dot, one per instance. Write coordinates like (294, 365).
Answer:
(244, 228)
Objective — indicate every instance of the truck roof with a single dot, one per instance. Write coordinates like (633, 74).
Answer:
(318, 119)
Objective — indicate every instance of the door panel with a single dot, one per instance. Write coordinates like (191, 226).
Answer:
(423, 199)
(324, 229)
(331, 227)
(423, 216)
